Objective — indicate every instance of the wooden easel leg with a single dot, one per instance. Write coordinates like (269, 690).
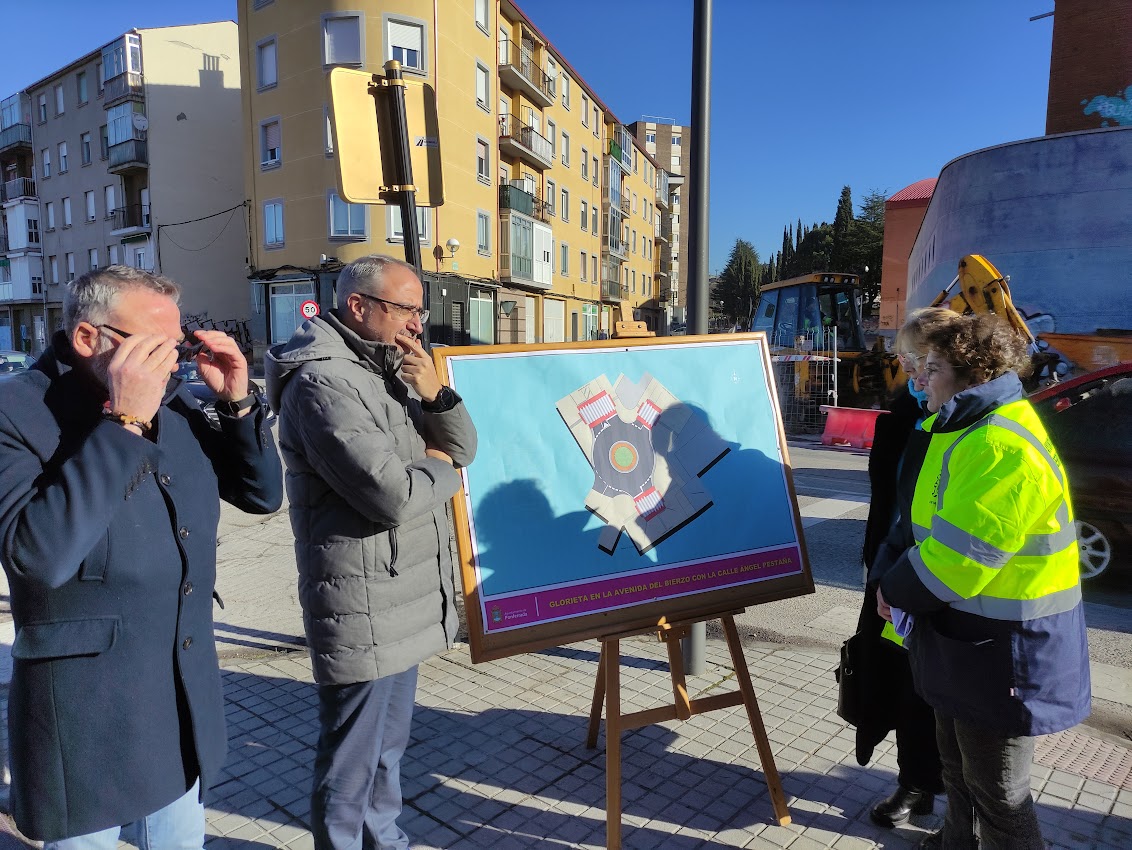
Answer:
(766, 756)
(676, 669)
(611, 655)
(599, 697)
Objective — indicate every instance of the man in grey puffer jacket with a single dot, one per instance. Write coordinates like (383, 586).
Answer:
(371, 441)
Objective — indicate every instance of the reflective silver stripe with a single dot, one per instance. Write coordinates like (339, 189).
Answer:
(1057, 541)
(1021, 431)
(1021, 609)
(968, 545)
(921, 532)
(936, 587)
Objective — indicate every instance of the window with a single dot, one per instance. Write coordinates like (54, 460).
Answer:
(346, 220)
(483, 161)
(565, 205)
(88, 199)
(650, 138)
(593, 220)
(634, 278)
(70, 267)
(404, 41)
(286, 300)
(80, 84)
(676, 164)
(66, 212)
(483, 233)
(584, 267)
(482, 85)
(552, 75)
(585, 164)
(108, 197)
(564, 259)
(597, 125)
(552, 137)
(565, 149)
(273, 223)
(45, 159)
(84, 148)
(271, 143)
(112, 253)
(396, 233)
(550, 197)
(585, 110)
(634, 202)
(481, 14)
(593, 169)
(92, 258)
(53, 262)
(593, 268)
(50, 216)
(41, 112)
(329, 131)
(101, 79)
(62, 157)
(59, 99)
(565, 90)
(33, 231)
(104, 142)
(267, 74)
(585, 216)
(676, 141)
(343, 40)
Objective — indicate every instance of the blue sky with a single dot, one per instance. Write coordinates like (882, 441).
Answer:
(808, 95)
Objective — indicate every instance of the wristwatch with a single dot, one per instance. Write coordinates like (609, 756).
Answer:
(233, 408)
(445, 400)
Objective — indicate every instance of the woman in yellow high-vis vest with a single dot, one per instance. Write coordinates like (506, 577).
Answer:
(997, 640)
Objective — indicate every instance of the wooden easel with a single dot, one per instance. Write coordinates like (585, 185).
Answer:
(608, 689)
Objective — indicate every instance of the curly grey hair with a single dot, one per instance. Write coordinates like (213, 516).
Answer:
(93, 296)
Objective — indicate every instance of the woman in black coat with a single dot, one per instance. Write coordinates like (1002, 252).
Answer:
(898, 449)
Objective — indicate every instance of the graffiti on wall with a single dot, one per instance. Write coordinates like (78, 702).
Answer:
(1114, 111)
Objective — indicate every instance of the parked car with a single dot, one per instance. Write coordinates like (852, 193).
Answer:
(206, 397)
(14, 361)
(1088, 420)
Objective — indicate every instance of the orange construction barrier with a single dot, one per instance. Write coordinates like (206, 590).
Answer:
(849, 426)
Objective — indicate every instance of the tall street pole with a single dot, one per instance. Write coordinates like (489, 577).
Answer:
(698, 286)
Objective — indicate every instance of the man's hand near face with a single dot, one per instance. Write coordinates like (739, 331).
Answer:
(223, 367)
(417, 369)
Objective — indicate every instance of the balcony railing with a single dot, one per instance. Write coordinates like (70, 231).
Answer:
(130, 154)
(663, 229)
(4, 244)
(518, 69)
(123, 87)
(623, 139)
(662, 189)
(610, 290)
(18, 187)
(625, 203)
(135, 215)
(522, 140)
(515, 198)
(662, 266)
(17, 134)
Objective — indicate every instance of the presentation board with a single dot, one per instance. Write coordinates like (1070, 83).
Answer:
(620, 484)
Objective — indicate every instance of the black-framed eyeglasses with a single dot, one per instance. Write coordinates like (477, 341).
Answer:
(420, 312)
(186, 350)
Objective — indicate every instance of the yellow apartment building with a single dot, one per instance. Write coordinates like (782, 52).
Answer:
(547, 232)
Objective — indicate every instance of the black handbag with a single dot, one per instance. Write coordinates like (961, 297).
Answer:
(852, 697)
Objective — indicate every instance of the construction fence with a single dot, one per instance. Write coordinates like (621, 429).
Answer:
(805, 375)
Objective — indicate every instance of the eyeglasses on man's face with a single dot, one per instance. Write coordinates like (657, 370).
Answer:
(403, 310)
(186, 350)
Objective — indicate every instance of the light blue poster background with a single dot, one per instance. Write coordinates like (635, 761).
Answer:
(528, 484)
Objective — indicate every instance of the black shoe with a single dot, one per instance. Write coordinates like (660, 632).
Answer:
(904, 803)
(933, 841)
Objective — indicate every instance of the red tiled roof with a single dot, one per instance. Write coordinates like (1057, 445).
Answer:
(921, 190)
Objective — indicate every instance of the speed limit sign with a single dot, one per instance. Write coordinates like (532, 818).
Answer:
(309, 309)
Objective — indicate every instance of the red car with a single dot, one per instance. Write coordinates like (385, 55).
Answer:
(1089, 419)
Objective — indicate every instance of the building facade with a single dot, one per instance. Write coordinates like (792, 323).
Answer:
(547, 195)
(104, 154)
(670, 145)
(1090, 68)
(903, 215)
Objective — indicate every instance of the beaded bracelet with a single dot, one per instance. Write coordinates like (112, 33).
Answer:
(126, 419)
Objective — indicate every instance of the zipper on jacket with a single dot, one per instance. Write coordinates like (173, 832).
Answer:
(392, 552)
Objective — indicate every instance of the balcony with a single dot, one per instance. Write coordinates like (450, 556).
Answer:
(623, 141)
(128, 86)
(133, 217)
(662, 189)
(610, 290)
(613, 242)
(663, 229)
(665, 294)
(626, 203)
(16, 136)
(18, 188)
(524, 142)
(4, 249)
(662, 267)
(518, 70)
(132, 155)
(512, 197)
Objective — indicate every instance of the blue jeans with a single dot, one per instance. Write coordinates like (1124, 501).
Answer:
(987, 778)
(178, 826)
(364, 731)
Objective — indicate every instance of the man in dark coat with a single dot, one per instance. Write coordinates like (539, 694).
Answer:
(109, 478)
